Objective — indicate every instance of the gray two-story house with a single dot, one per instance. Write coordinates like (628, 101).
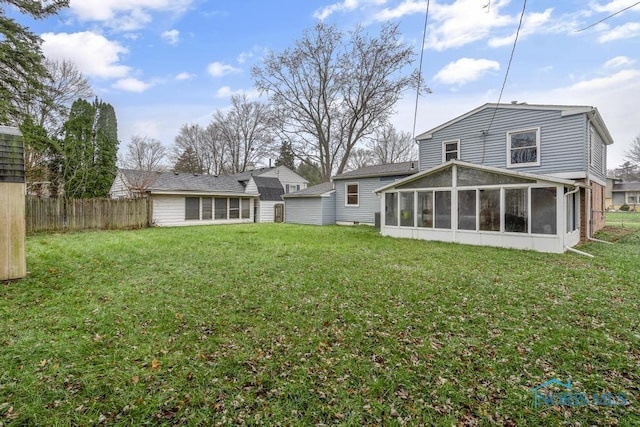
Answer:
(513, 175)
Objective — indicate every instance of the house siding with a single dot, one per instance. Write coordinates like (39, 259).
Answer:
(562, 140)
(286, 177)
(170, 211)
(266, 210)
(368, 201)
(119, 189)
(311, 210)
(598, 155)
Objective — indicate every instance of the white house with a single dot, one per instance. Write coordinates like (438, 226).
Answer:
(189, 199)
(514, 175)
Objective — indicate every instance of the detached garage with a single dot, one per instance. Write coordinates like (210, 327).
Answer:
(314, 205)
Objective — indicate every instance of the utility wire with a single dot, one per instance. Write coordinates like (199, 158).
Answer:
(607, 17)
(424, 36)
(506, 75)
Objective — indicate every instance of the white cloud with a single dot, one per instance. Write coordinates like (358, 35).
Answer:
(218, 69)
(464, 22)
(618, 62)
(131, 84)
(532, 23)
(614, 81)
(624, 31)
(227, 92)
(124, 15)
(611, 6)
(171, 36)
(465, 70)
(184, 76)
(93, 54)
(325, 12)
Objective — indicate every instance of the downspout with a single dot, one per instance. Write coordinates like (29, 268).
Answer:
(588, 231)
(588, 179)
(564, 233)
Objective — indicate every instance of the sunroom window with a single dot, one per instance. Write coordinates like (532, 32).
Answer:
(543, 210)
(391, 209)
(523, 148)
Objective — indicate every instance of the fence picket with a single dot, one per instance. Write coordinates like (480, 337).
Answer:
(58, 214)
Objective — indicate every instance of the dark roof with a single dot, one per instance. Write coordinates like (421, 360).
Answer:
(315, 191)
(11, 155)
(269, 188)
(627, 186)
(244, 176)
(389, 169)
(173, 181)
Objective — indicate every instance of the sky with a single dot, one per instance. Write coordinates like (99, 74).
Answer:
(166, 63)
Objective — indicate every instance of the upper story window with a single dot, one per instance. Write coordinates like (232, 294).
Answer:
(523, 148)
(450, 150)
(352, 195)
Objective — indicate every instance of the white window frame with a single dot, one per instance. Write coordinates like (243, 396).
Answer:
(519, 165)
(346, 194)
(444, 149)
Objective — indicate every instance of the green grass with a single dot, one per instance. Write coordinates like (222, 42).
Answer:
(293, 325)
(623, 219)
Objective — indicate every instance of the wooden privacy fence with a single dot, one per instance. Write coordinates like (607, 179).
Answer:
(85, 214)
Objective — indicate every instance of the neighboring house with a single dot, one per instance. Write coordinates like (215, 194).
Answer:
(626, 193)
(349, 199)
(516, 175)
(608, 192)
(187, 199)
(314, 205)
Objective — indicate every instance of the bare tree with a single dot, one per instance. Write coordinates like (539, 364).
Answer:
(360, 157)
(633, 154)
(145, 154)
(246, 132)
(62, 85)
(333, 92)
(189, 140)
(390, 146)
(214, 149)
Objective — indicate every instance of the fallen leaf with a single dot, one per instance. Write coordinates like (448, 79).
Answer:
(155, 364)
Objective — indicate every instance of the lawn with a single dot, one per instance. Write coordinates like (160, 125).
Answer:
(623, 219)
(294, 325)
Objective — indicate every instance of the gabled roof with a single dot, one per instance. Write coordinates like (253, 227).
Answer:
(314, 191)
(246, 175)
(389, 169)
(566, 110)
(626, 186)
(269, 188)
(500, 171)
(174, 181)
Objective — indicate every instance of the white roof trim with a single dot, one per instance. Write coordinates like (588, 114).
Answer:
(565, 110)
(200, 193)
(481, 167)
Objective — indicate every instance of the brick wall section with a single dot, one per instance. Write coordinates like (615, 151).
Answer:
(597, 206)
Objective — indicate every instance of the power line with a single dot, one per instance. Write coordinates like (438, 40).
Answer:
(607, 17)
(424, 36)
(506, 75)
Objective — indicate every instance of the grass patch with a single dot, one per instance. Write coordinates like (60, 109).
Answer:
(623, 219)
(267, 324)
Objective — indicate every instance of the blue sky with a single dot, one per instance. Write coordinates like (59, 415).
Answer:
(164, 63)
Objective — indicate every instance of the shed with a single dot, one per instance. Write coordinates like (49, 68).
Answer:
(313, 205)
(12, 205)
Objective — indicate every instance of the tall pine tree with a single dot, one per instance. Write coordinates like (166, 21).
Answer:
(286, 158)
(89, 149)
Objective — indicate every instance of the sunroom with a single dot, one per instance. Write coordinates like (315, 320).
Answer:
(480, 205)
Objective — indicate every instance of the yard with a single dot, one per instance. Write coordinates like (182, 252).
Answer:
(275, 323)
